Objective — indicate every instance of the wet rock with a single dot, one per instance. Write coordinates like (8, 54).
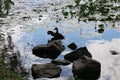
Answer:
(76, 54)
(61, 62)
(86, 68)
(51, 50)
(47, 70)
(72, 46)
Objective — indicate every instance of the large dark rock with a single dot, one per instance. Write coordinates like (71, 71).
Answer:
(48, 70)
(61, 62)
(72, 46)
(86, 68)
(51, 50)
(74, 55)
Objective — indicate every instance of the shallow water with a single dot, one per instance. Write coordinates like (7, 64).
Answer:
(28, 29)
(99, 46)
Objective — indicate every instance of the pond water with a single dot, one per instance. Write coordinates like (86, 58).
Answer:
(28, 28)
(99, 45)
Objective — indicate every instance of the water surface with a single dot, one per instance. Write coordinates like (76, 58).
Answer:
(29, 28)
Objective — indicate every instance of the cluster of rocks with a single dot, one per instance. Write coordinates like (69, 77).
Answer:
(84, 67)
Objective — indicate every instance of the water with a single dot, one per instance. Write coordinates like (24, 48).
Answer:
(99, 44)
(29, 28)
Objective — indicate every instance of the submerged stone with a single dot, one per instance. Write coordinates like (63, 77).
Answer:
(48, 70)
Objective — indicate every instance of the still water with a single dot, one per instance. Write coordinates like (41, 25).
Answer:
(29, 28)
(99, 45)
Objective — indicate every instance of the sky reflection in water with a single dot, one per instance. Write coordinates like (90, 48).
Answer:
(99, 46)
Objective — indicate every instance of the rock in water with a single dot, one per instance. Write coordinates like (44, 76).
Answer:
(86, 68)
(48, 70)
(72, 46)
(51, 50)
(76, 54)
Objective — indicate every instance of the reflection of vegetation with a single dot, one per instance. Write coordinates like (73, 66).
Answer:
(118, 17)
(77, 2)
(5, 6)
(101, 28)
(65, 14)
(1, 37)
(90, 8)
(10, 64)
(82, 10)
(7, 74)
